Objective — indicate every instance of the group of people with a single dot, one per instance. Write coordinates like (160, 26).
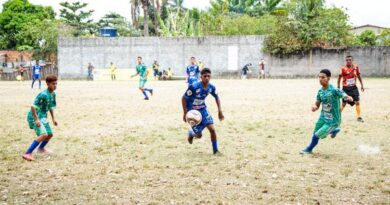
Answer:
(199, 87)
(246, 70)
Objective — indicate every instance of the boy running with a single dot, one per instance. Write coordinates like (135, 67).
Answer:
(194, 98)
(143, 73)
(330, 118)
(349, 73)
(37, 118)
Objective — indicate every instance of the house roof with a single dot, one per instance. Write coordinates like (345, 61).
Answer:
(369, 25)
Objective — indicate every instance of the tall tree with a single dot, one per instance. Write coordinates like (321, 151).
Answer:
(15, 16)
(75, 15)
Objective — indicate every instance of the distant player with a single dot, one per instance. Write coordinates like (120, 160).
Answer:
(330, 118)
(192, 72)
(37, 118)
(155, 70)
(194, 98)
(36, 74)
(262, 69)
(143, 74)
(113, 71)
(349, 73)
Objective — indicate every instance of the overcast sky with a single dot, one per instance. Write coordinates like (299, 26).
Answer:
(376, 12)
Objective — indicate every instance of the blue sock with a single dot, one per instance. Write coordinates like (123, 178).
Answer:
(147, 89)
(33, 145)
(313, 143)
(43, 144)
(39, 84)
(32, 84)
(146, 96)
(215, 146)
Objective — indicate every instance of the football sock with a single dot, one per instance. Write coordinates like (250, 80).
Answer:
(143, 92)
(358, 110)
(32, 84)
(313, 143)
(33, 145)
(215, 146)
(147, 89)
(43, 144)
(39, 84)
(342, 108)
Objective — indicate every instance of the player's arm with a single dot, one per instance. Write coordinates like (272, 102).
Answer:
(184, 100)
(360, 78)
(339, 78)
(137, 73)
(343, 95)
(218, 101)
(52, 117)
(317, 104)
(34, 113)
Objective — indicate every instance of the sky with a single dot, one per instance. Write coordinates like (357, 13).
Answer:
(361, 12)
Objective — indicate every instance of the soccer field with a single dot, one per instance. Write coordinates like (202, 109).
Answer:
(111, 146)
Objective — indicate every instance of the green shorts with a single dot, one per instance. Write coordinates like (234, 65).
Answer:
(44, 129)
(322, 130)
(142, 83)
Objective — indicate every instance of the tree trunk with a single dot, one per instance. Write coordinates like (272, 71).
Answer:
(146, 20)
(135, 13)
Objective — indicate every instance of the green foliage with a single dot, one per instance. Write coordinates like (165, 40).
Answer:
(75, 15)
(367, 38)
(309, 25)
(384, 38)
(15, 17)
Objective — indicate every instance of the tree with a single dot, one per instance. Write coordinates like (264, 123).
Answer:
(367, 38)
(16, 14)
(384, 38)
(74, 15)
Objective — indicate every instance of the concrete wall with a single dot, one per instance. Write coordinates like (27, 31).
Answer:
(74, 54)
(372, 61)
(224, 55)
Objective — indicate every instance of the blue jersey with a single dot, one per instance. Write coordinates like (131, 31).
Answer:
(36, 69)
(192, 73)
(196, 95)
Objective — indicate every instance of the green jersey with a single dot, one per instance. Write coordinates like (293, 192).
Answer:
(141, 70)
(44, 102)
(330, 100)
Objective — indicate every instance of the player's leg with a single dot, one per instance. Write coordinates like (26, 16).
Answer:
(40, 83)
(344, 103)
(213, 136)
(33, 81)
(315, 138)
(359, 118)
(147, 89)
(41, 133)
(46, 140)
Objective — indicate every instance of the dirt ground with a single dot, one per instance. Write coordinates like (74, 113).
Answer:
(112, 147)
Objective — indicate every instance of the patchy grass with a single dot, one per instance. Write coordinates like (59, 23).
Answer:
(113, 147)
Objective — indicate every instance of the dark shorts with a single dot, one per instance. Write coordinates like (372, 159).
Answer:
(352, 91)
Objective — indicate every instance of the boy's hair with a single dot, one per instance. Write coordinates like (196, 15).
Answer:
(205, 70)
(349, 56)
(192, 57)
(139, 57)
(326, 72)
(51, 78)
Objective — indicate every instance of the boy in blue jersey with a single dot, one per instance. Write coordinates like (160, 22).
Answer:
(36, 74)
(194, 99)
(330, 117)
(37, 118)
(192, 72)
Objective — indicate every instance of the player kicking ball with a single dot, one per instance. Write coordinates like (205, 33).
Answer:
(37, 118)
(330, 118)
(193, 101)
(143, 74)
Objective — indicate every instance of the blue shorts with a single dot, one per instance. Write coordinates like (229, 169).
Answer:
(36, 76)
(207, 119)
(190, 81)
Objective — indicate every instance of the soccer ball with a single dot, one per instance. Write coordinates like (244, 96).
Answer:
(194, 117)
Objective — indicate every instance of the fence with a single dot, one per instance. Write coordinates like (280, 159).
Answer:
(48, 69)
